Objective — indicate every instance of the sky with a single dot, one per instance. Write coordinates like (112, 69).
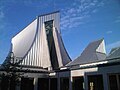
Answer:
(81, 21)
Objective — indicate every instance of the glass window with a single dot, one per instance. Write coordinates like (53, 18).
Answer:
(51, 44)
(95, 82)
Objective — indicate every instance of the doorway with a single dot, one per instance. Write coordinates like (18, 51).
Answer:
(95, 82)
(43, 84)
(78, 83)
(64, 83)
(114, 82)
(53, 83)
(27, 84)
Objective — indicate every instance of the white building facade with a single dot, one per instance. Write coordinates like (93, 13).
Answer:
(46, 65)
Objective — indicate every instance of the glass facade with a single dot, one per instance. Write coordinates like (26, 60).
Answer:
(51, 43)
(95, 82)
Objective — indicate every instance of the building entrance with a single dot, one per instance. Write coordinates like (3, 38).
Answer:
(53, 83)
(95, 82)
(114, 82)
(78, 83)
(27, 84)
(64, 83)
(43, 84)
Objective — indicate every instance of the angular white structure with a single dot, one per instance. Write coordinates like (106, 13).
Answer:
(40, 43)
(114, 53)
(94, 52)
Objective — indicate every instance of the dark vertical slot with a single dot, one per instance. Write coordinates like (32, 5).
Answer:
(51, 44)
(119, 81)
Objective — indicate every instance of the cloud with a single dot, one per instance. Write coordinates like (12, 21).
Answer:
(1, 12)
(95, 10)
(2, 16)
(109, 32)
(101, 4)
(117, 20)
(112, 45)
(33, 3)
(78, 13)
(4, 25)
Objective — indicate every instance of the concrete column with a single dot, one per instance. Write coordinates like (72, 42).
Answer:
(105, 81)
(49, 83)
(70, 83)
(85, 82)
(35, 83)
(58, 83)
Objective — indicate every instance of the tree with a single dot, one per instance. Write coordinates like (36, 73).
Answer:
(11, 72)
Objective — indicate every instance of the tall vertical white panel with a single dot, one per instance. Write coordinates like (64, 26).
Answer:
(36, 51)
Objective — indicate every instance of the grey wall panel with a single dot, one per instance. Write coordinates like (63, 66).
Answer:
(65, 57)
(57, 48)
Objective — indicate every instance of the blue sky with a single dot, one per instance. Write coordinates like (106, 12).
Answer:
(82, 21)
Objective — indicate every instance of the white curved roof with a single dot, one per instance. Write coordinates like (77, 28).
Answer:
(22, 42)
(31, 43)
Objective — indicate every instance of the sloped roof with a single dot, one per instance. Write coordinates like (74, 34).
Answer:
(114, 53)
(95, 51)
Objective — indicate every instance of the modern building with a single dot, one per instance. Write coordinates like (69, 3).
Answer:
(46, 65)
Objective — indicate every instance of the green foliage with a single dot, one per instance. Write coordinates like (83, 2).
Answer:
(11, 70)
